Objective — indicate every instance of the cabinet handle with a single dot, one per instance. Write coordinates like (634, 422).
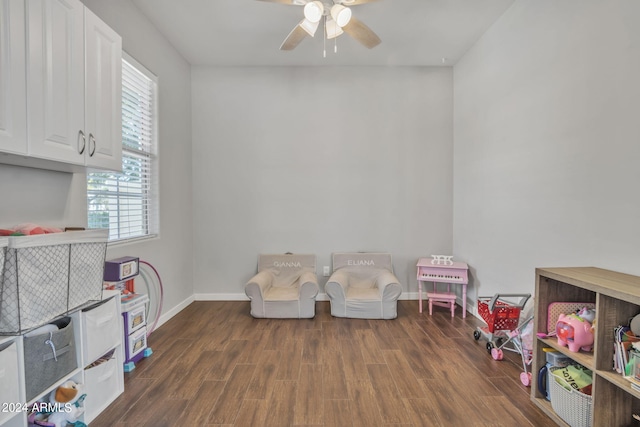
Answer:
(84, 141)
(92, 138)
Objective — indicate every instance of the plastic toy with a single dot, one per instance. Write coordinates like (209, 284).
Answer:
(69, 397)
(574, 332)
(588, 314)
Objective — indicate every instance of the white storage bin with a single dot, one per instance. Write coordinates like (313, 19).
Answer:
(48, 275)
(101, 329)
(103, 384)
(9, 383)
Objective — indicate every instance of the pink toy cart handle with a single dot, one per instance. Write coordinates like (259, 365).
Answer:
(499, 297)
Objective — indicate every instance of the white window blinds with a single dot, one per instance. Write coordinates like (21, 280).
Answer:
(126, 202)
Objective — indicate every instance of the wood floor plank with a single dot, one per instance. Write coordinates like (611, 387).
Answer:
(403, 376)
(364, 404)
(226, 408)
(417, 358)
(312, 348)
(231, 370)
(387, 395)
(279, 333)
(291, 360)
(337, 413)
(371, 352)
(167, 413)
(309, 409)
(421, 412)
(252, 412)
(124, 402)
(264, 375)
(281, 406)
(223, 362)
(384, 335)
(199, 408)
(354, 365)
(334, 379)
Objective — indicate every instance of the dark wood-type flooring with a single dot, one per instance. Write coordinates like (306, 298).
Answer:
(214, 365)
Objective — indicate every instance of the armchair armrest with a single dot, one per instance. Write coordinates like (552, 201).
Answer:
(337, 285)
(388, 286)
(258, 284)
(308, 285)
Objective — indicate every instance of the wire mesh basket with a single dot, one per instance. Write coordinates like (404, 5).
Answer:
(572, 406)
(49, 275)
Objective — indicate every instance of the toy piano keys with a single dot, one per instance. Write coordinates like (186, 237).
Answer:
(442, 269)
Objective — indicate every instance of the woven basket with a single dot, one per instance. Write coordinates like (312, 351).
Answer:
(572, 406)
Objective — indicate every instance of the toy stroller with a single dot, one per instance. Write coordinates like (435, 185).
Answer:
(503, 321)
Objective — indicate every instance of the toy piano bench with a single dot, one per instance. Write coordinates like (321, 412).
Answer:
(441, 269)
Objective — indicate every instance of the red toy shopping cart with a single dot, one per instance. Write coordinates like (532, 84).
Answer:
(504, 331)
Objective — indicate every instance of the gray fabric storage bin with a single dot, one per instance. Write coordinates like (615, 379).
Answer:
(41, 367)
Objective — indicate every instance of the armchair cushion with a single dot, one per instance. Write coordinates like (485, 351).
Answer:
(285, 287)
(363, 286)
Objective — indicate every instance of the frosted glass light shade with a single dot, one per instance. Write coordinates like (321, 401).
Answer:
(313, 11)
(340, 14)
(333, 29)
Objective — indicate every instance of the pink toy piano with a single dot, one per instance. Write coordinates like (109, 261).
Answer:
(441, 269)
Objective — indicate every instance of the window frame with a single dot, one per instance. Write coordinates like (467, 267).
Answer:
(153, 199)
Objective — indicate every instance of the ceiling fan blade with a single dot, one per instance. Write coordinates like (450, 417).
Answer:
(294, 38)
(359, 31)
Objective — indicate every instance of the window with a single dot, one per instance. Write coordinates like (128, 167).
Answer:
(126, 203)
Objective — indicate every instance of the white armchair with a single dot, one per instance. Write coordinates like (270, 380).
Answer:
(285, 287)
(363, 286)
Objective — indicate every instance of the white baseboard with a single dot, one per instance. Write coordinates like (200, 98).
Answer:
(243, 297)
(175, 310)
(221, 297)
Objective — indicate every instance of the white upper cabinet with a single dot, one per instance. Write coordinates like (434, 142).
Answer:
(55, 80)
(73, 69)
(13, 108)
(103, 97)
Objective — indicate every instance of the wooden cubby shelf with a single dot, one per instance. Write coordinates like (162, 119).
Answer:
(617, 299)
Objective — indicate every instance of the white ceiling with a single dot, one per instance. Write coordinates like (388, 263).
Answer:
(249, 32)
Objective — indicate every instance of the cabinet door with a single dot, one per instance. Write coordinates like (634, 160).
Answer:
(55, 80)
(13, 107)
(103, 98)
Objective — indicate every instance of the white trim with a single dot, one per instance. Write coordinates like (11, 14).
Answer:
(175, 310)
(471, 308)
(221, 297)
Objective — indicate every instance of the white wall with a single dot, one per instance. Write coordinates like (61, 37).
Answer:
(318, 160)
(546, 151)
(59, 199)
(171, 254)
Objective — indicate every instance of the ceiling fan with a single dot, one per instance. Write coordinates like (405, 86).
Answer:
(336, 18)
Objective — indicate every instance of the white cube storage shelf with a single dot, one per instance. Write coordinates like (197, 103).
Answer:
(9, 379)
(103, 384)
(101, 329)
(96, 332)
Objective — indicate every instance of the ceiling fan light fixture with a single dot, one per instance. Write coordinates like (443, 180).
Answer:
(309, 27)
(313, 11)
(333, 29)
(340, 14)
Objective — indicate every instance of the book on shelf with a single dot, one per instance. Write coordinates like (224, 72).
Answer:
(623, 351)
